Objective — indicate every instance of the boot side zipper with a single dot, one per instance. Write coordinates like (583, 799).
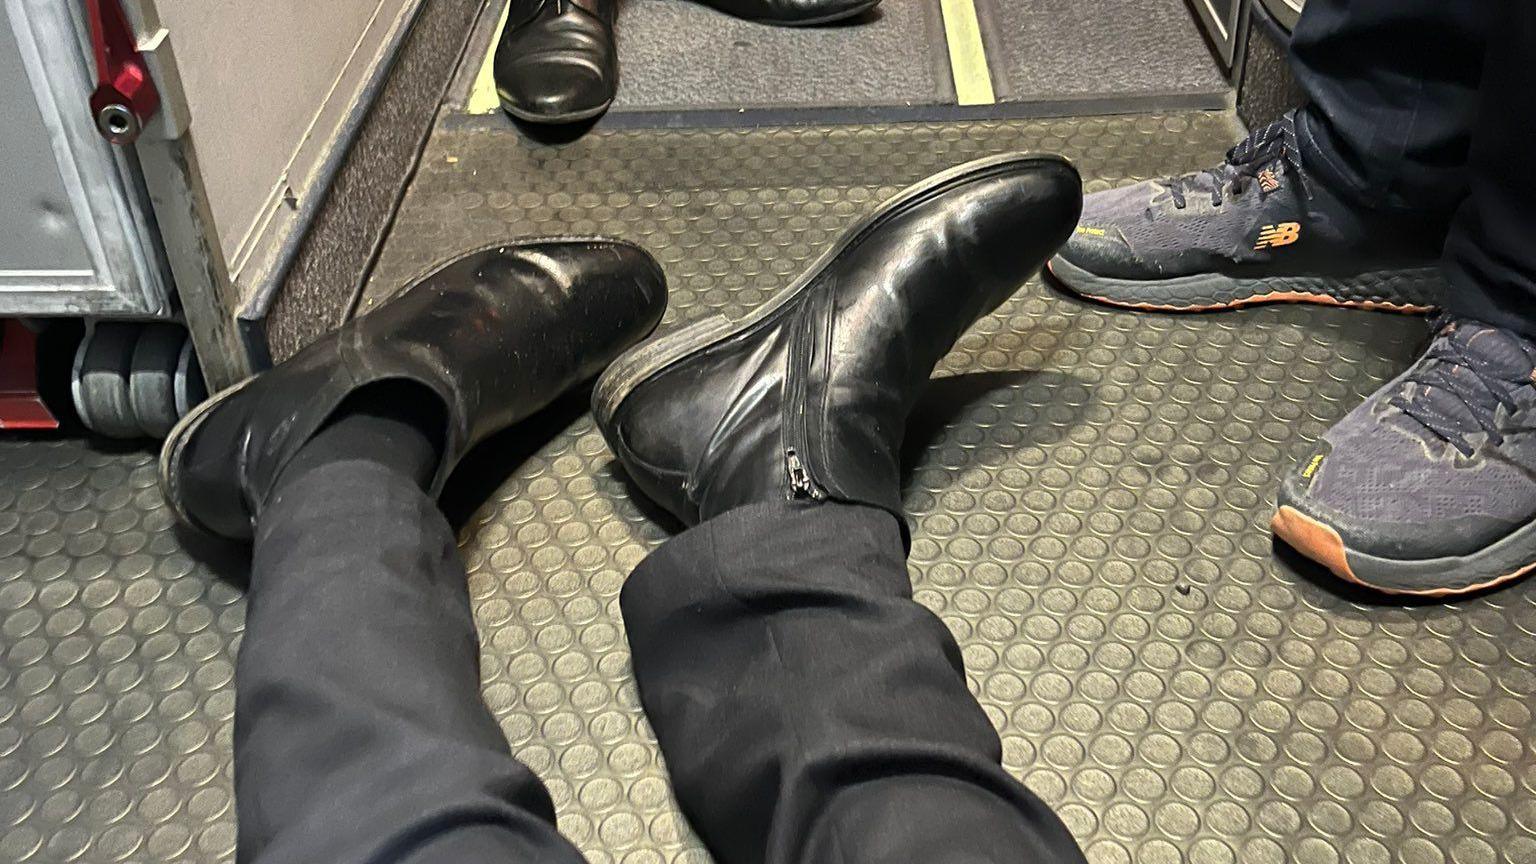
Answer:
(800, 483)
(796, 455)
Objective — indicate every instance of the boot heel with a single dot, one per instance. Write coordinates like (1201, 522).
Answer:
(644, 360)
(176, 442)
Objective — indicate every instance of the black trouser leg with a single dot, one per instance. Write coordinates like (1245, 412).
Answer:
(360, 734)
(1392, 88)
(809, 710)
(1490, 256)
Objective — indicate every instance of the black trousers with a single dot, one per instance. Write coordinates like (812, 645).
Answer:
(1429, 106)
(808, 709)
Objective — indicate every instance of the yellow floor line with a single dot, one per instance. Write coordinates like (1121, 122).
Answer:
(482, 96)
(967, 56)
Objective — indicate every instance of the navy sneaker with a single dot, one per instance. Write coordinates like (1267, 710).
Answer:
(1255, 229)
(1429, 488)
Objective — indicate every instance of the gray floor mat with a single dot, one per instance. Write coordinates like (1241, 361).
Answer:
(684, 64)
(1090, 496)
(676, 55)
(1142, 55)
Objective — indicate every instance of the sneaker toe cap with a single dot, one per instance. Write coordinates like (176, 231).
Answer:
(1101, 251)
(1377, 532)
(1387, 493)
(1100, 244)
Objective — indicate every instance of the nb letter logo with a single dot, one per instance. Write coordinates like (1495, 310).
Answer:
(1283, 234)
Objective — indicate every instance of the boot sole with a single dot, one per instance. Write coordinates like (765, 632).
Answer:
(176, 443)
(644, 361)
(1411, 291)
(551, 119)
(816, 22)
(1507, 560)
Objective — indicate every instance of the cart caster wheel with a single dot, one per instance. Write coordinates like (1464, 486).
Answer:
(135, 380)
(191, 390)
(152, 381)
(99, 380)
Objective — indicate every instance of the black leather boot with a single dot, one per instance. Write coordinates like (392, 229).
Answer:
(486, 341)
(556, 61)
(793, 13)
(808, 396)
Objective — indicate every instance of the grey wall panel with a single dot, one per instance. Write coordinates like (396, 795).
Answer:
(321, 285)
(38, 230)
(268, 85)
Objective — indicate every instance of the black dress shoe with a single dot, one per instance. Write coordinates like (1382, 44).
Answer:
(487, 340)
(556, 61)
(808, 396)
(793, 13)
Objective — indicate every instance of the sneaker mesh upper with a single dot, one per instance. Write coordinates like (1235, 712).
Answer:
(1442, 459)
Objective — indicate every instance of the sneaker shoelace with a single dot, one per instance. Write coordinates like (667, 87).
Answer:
(1243, 164)
(1456, 381)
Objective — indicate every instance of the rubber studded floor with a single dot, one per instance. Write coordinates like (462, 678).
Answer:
(1090, 494)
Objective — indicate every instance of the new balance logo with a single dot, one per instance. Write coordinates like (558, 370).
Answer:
(1269, 181)
(1283, 234)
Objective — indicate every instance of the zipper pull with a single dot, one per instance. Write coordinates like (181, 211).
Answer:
(800, 483)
